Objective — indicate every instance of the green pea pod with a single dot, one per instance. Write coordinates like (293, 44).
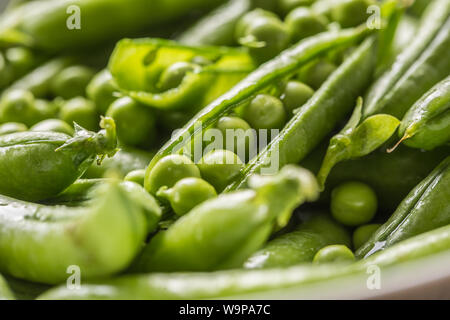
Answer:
(223, 232)
(424, 209)
(299, 245)
(38, 165)
(357, 139)
(56, 25)
(5, 291)
(391, 175)
(43, 243)
(427, 124)
(137, 65)
(428, 70)
(395, 91)
(286, 64)
(217, 28)
(329, 105)
(238, 283)
(423, 55)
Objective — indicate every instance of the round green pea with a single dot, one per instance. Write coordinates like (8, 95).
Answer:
(249, 18)
(81, 111)
(101, 90)
(351, 13)
(295, 95)
(265, 38)
(353, 203)
(12, 127)
(362, 234)
(137, 176)
(47, 109)
(334, 253)
(238, 137)
(218, 167)
(187, 194)
(169, 170)
(54, 125)
(265, 112)
(173, 76)
(21, 59)
(72, 82)
(135, 123)
(19, 106)
(303, 23)
(316, 74)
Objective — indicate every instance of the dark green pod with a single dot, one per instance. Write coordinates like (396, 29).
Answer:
(300, 245)
(424, 209)
(35, 166)
(427, 124)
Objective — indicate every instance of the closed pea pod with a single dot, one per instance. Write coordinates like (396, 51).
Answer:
(39, 243)
(427, 124)
(424, 209)
(39, 165)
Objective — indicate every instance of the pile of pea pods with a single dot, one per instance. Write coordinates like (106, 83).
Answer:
(216, 148)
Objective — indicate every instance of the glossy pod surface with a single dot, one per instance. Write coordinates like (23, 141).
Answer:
(427, 124)
(424, 209)
(237, 283)
(38, 165)
(300, 245)
(39, 243)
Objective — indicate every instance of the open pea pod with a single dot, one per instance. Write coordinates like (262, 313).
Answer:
(357, 139)
(138, 65)
(285, 65)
